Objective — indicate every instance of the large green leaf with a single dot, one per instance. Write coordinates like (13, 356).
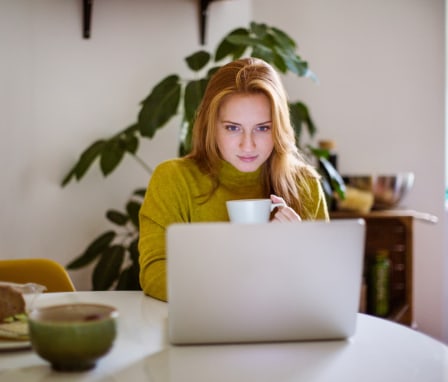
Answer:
(185, 145)
(243, 40)
(117, 217)
(133, 209)
(88, 156)
(133, 251)
(226, 48)
(129, 279)
(297, 121)
(194, 91)
(85, 161)
(263, 52)
(160, 106)
(108, 268)
(140, 192)
(130, 130)
(293, 62)
(198, 60)
(279, 63)
(259, 29)
(300, 117)
(93, 250)
(212, 71)
(268, 42)
(111, 156)
(328, 191)
(276, 56)
(128, 142)
(284, 40)
(336, 181)
(298, 66)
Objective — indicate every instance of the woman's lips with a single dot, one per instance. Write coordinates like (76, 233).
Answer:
(247, 158)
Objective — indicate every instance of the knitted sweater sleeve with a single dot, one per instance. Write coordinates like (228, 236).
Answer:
(163, 205)
(316, 204)
(322, 208)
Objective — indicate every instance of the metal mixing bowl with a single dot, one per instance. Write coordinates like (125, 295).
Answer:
(388, 190)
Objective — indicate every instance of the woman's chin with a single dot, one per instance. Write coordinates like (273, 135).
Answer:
(246, 167)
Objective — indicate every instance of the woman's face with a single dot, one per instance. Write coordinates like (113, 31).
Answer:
(244, 131)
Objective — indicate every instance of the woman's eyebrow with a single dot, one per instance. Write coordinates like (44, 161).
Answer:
(239, 124)
(264, 123)
(233, 123)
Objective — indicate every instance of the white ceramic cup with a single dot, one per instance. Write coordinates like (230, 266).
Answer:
(249, 211)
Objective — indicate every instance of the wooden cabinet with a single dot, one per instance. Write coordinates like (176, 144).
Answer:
(392, 230)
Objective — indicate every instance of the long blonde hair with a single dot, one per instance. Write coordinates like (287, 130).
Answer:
(285, 171)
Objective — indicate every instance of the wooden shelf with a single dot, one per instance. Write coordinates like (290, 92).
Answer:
(87, 6)
(386, 214)
(393, 230)
(401, 314)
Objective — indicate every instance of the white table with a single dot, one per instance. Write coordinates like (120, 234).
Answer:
(381, 351)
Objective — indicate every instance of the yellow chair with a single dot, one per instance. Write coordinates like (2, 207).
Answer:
(41, 271)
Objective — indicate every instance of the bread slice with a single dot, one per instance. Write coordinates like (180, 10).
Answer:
(11, 302)
(16, 330)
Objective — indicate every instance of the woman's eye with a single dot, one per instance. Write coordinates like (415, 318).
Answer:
(263, 128)
(232, 128)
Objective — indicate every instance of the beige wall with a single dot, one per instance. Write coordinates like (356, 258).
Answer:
(381, 66)
(60, 92)
(381, 92)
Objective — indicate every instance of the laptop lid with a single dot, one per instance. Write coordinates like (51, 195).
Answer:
(235, 283)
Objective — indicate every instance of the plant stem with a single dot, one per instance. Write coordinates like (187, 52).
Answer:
(142, 163)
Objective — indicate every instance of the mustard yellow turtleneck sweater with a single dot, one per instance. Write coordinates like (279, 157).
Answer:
(172, 197)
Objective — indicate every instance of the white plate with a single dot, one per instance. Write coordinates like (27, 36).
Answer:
(14, 345)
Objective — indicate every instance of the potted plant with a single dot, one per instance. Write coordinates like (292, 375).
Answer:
(115, 251)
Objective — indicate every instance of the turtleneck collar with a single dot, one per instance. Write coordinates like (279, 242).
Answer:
(231, 177)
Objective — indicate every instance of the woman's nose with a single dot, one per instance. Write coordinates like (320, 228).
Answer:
(247, 142)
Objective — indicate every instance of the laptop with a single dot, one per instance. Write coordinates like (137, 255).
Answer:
(270, 282)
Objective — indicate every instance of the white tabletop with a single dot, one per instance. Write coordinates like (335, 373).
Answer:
(380, 351)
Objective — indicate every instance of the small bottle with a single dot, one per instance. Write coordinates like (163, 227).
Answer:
(330, 146)
(379, 284)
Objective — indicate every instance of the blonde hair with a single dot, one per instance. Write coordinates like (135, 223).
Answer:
(285, 171)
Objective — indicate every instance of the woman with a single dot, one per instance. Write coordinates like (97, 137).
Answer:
(243, 147)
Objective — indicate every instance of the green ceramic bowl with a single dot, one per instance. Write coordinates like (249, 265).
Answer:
(73, 337)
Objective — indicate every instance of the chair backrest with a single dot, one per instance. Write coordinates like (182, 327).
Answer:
(41, 271)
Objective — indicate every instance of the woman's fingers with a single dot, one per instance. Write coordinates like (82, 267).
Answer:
(284, 213)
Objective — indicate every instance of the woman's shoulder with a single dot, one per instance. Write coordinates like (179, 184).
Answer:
(309, 180)
(308, 173)
(180, 176)
(173, 170)
(175, 165)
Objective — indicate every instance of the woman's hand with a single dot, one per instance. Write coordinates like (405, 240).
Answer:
(284, 213)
